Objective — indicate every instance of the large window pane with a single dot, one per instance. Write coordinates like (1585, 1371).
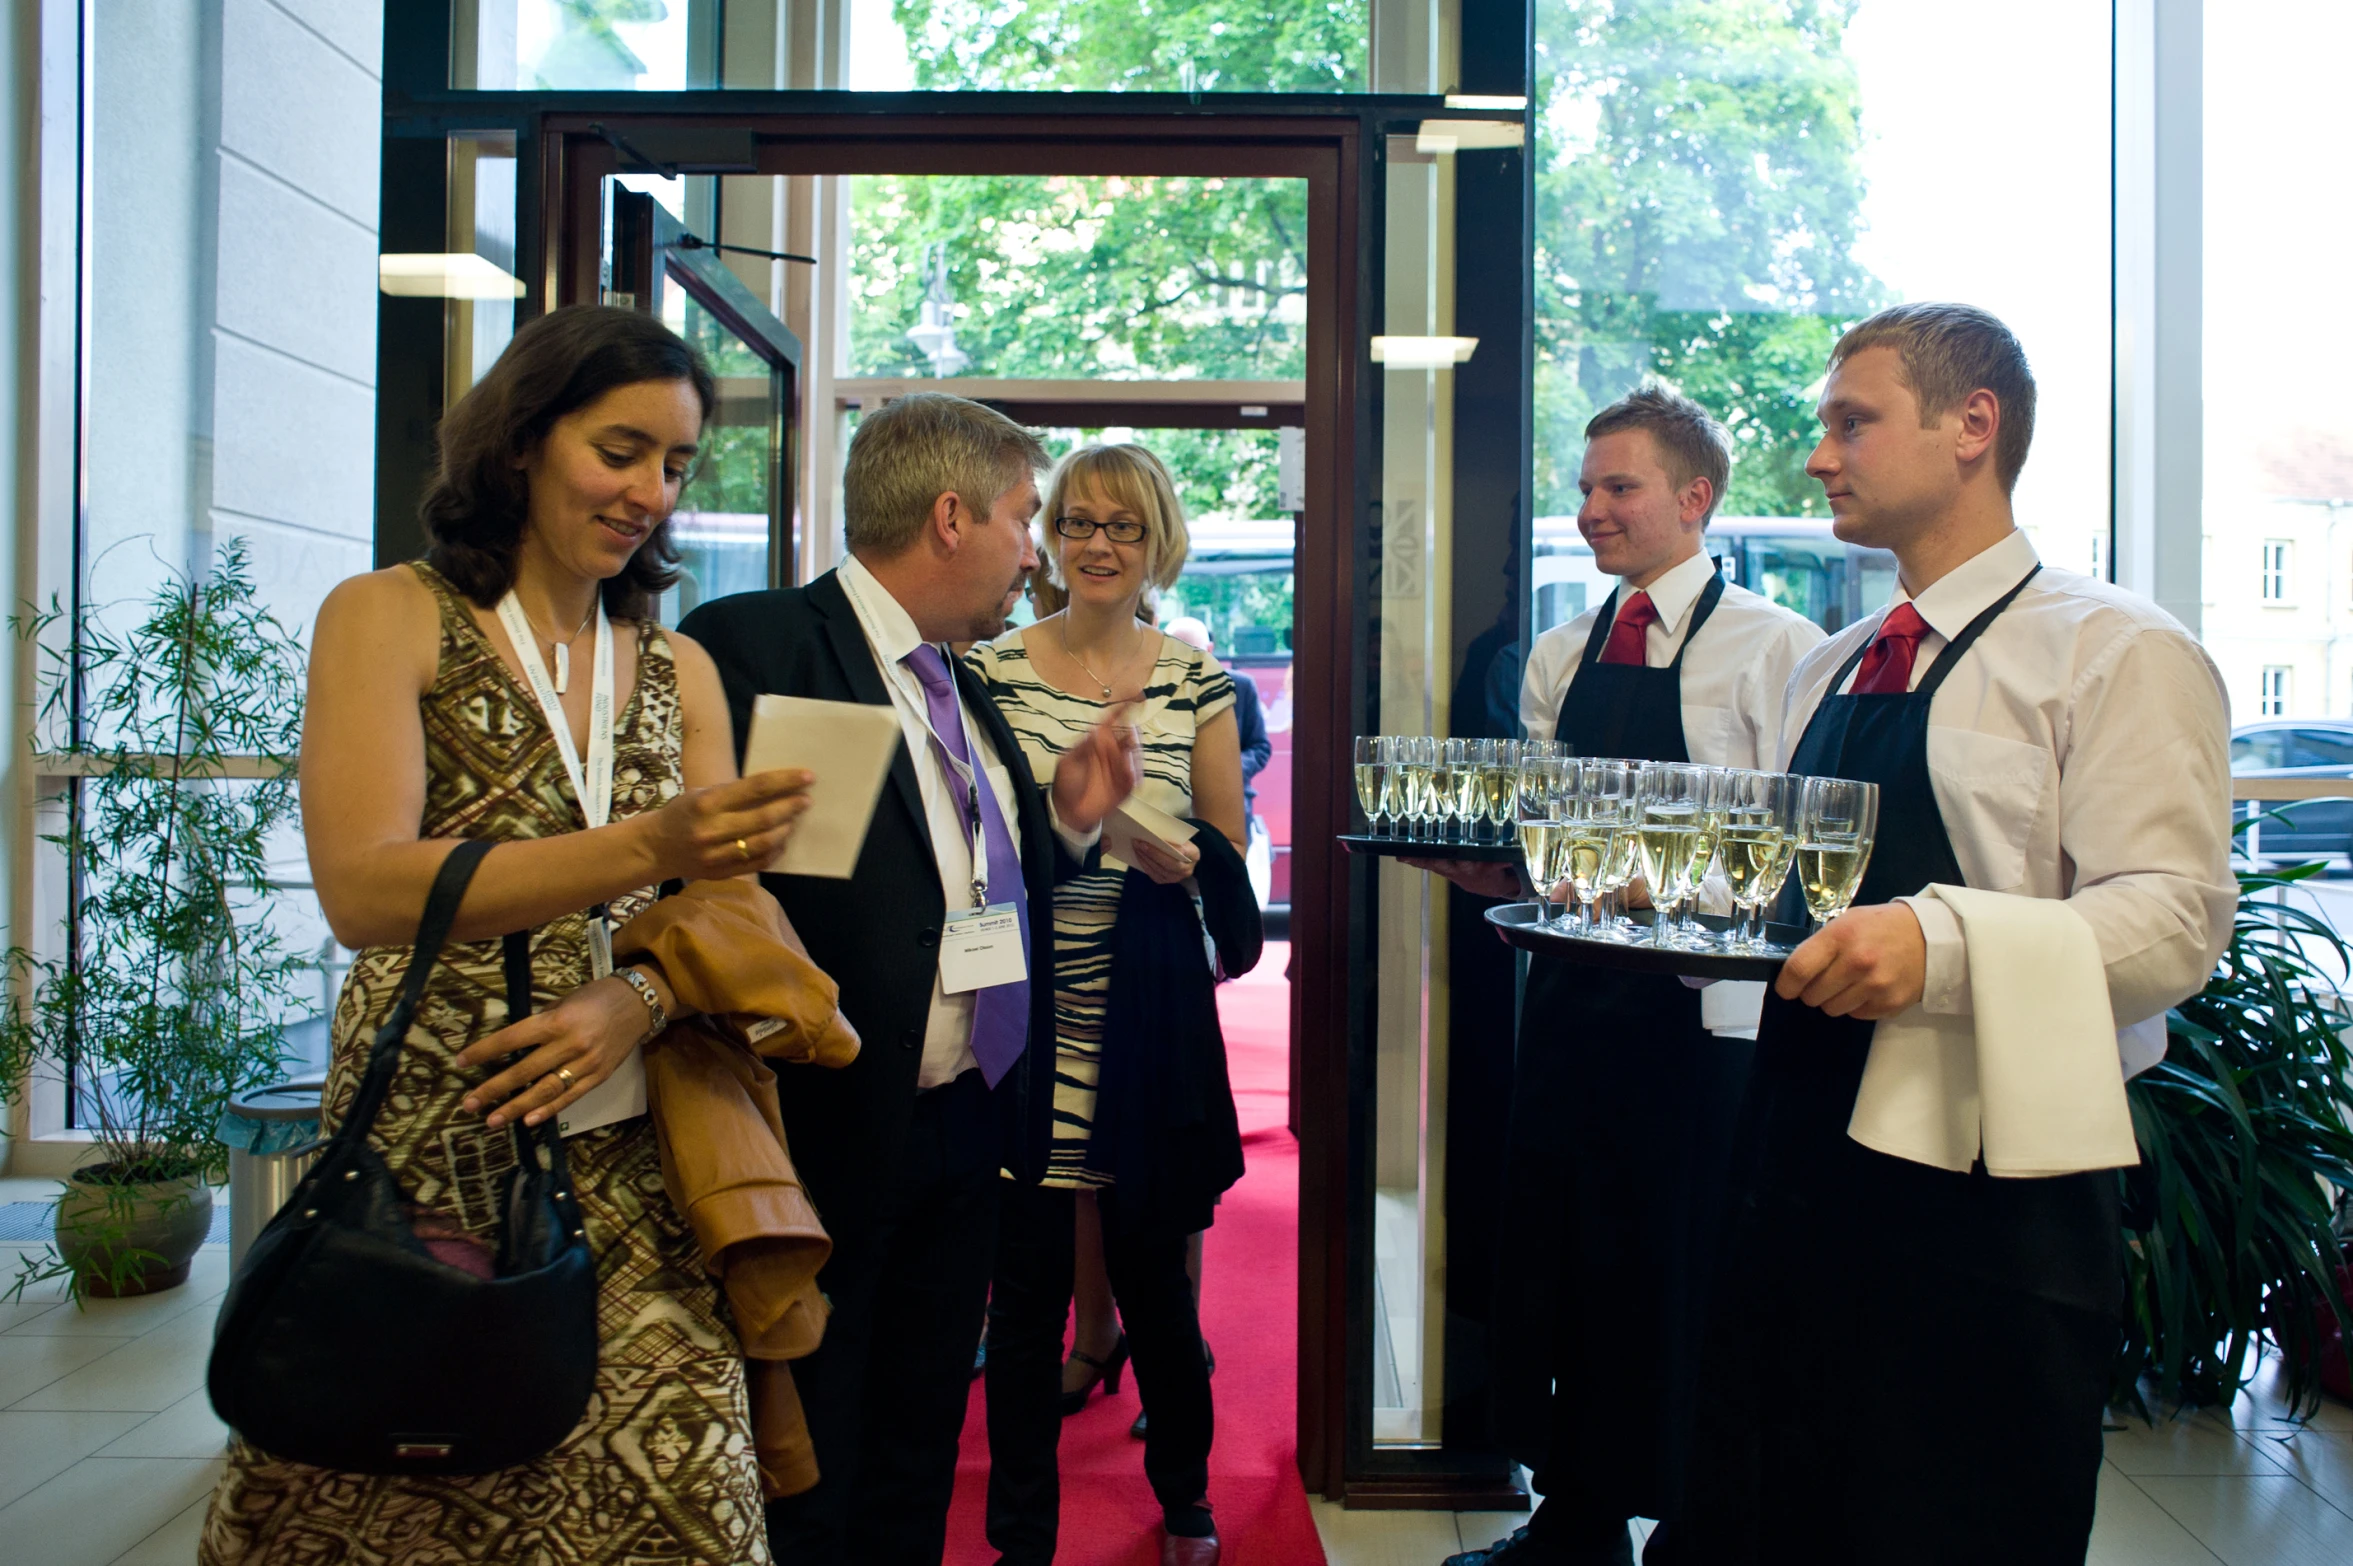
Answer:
(1722, 189)
(230, 317)
(543, 45)
(2278, 566)
(1110, 45)
(1067, 277)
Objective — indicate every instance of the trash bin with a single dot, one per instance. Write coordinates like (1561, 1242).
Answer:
(264, 1130)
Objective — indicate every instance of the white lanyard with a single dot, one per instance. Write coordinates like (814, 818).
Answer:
(593, 788)
(961, 772)
(965, 774)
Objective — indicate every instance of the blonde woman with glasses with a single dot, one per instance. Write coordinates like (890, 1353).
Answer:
(1143, 1115)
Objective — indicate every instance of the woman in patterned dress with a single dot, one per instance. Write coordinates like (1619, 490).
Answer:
(1116, 531)
(557, 475)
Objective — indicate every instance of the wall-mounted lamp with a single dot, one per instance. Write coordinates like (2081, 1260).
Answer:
(1476, 100)
(1422, 353)
(1469, 135)
(419, 275)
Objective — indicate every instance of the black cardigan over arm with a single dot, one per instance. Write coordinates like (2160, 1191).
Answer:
(1165, 1127)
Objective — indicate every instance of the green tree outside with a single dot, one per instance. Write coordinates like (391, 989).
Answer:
(1109, 278)
(1698, 192)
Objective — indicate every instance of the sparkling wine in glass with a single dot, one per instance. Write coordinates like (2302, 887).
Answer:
(1838, 819)
(1372, 779)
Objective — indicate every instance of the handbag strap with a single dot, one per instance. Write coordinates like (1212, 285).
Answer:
(441, 909)
(548, 1134)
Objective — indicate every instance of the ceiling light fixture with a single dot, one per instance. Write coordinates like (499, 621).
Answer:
(419, 275)
(1422, 353)
(1469, 135)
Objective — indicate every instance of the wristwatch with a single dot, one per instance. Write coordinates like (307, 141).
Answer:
(658, 1019)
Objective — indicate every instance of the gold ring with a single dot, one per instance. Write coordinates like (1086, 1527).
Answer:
(564, 1075)
(743, 849)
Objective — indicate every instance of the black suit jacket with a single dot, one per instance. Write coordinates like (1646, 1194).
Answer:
(878, 933)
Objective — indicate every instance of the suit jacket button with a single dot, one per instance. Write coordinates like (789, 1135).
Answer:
(910, 1038)
(927, 938)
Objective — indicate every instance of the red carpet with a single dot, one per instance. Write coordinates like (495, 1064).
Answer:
(1249, 1311)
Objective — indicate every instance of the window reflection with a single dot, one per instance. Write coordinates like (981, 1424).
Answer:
(1722, 190)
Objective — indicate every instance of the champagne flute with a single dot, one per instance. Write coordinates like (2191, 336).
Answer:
(1594, 826)
(1837, 820)
(1502, 788)
(1669, 797)
(1714, 793)
(1413, 759)
(1536, 782)
(1757, 846)
(1463, 797)
(1373, 752)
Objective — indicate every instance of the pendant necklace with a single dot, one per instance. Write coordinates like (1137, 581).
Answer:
(563, 649)
(1064, 626)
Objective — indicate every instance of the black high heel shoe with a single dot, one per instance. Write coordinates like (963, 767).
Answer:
(1106, 1376)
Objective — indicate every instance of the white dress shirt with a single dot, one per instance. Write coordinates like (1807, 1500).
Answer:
(1732, 682)
(891, 633)
(1732, 690)
(2080, 749)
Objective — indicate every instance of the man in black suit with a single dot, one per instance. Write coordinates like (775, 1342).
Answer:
(902, 1149)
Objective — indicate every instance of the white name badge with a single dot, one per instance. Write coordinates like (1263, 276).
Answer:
(981, 949)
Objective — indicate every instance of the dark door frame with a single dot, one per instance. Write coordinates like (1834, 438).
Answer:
(650, 254)
(1336, 144)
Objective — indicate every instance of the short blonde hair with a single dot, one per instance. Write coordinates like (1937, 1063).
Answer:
(1948, 351)
(916, 448)
(1132, 478)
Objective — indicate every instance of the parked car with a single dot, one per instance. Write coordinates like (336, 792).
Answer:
(2297, 748)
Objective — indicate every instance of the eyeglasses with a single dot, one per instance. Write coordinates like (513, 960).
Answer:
(1086, 527)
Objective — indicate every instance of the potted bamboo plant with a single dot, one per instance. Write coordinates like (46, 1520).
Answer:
(166, 993)
(2230, 1219)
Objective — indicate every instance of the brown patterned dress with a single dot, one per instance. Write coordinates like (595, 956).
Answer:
(660, 1468)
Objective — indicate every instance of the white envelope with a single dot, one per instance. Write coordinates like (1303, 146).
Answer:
(849, 745)
(618, 1097)
(1133, 819)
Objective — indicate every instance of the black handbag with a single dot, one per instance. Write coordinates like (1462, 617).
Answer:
(343, 1343)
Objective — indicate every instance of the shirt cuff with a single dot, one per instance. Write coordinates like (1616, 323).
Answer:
(1944, 989)
(1079, 843)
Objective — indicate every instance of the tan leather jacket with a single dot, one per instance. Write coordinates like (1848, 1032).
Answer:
(728, 954)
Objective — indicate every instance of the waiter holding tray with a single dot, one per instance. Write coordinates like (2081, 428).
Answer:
(1623, 1103)
(1926, 1231)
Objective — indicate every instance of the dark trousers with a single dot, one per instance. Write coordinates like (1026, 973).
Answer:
(885, 1393)
(1029, 1302)
(1873, 1404)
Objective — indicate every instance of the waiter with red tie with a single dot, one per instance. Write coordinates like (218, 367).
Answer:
(1622, 1099)
(1918, 1361)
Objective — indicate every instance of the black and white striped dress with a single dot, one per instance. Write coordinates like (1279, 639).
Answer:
(1186, 689)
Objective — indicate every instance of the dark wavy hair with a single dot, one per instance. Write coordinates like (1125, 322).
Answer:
(476, 504)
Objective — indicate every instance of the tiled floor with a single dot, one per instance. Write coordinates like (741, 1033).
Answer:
(2246, 1486)
(108, 1450)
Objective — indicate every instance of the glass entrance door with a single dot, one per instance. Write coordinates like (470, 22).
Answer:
(734, 527)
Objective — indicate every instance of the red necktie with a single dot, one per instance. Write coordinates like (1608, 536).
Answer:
(1629, 633)
(1886, 669)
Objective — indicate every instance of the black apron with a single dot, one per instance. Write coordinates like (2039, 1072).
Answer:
(1914, 1366)
(1622, 1112)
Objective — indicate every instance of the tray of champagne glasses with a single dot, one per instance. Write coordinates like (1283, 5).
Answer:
(1425, 848)
(1699, 953)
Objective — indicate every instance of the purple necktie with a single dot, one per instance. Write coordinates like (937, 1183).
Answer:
(1000, 1013)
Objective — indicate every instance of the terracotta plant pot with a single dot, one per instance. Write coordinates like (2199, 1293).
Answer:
(99, 1221)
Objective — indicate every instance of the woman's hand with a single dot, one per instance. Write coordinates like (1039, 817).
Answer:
(566, 1050)
(1166, 867)
(709, 834)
